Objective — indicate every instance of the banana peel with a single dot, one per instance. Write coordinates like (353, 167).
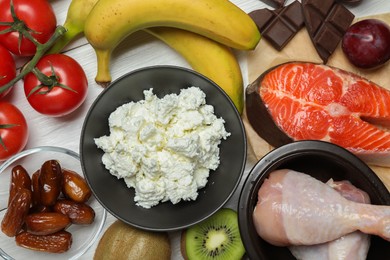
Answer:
(111, 21)
(206, 56)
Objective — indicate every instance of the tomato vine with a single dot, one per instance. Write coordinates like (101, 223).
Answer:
(41, 48)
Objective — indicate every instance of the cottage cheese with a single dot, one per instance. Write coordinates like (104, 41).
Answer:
(164, 148)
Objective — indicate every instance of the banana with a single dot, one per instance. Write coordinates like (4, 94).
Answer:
(220, 66)
(208, 57)
(76, 16)
(110, 21)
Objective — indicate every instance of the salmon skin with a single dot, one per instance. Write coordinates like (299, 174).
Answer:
(308, 101)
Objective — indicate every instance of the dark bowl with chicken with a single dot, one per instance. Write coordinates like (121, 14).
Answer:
(323, 161)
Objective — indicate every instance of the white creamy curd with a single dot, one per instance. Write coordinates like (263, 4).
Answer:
(164, 148)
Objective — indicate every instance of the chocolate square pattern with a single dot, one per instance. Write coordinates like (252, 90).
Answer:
(326, 22)
(279, 26)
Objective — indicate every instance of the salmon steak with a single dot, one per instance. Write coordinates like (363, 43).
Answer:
(308, 101)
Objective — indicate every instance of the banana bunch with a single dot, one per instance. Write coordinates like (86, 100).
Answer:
(203, 32)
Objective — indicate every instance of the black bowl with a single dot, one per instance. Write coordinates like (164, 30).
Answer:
(113, 193)
(322, 161)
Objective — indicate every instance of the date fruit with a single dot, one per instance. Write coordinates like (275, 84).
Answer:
(45, 223)
(13, 219)
(50, 182)
(38, 214)
(35, 189)
(19, 179)
(75, 187)
(58, 242)
(79, 213)
(366, 43)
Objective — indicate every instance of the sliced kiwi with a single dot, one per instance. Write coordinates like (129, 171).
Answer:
(217, 237)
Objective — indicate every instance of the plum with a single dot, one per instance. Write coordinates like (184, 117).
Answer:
(366, 43)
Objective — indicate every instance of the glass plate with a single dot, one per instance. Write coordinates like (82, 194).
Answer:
(83, 236)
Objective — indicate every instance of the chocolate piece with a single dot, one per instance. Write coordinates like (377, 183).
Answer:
(262, 18)
(279, 26)
(274, 3)
(326, 21)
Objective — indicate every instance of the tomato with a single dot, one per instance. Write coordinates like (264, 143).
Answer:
(7, 69)
(13, 130)
(65, 93)
(38, 15)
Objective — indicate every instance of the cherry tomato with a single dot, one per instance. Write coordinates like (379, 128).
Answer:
(67, 91)
(38, 15)
(7, 69)
(13, 130)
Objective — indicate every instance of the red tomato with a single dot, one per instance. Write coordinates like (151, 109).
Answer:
(66, 95)
(13, 130)
(7, 69)
(38, 15)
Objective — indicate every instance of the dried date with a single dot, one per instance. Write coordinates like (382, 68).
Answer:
(46, 223)
(50, 182)
(79, 213)
(75, 187)
(35, 189)
(58, 242)
(37, 215)
(13, 219)
(19, 179)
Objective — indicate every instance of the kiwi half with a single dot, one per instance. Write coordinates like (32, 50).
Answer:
(217, 237)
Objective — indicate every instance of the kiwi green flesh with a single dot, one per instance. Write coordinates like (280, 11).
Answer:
(217, 237)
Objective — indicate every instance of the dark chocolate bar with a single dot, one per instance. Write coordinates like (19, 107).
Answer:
(279, 26)
(326, 22)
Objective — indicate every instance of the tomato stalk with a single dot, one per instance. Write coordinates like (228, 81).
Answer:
(47, 82)
(41, 48)
(1, 140)
(19, 26)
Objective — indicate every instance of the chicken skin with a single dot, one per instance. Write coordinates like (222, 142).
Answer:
(296, 209)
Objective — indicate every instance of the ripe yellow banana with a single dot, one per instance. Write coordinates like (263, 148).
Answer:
(110, 21)
(76, 16)
(220, 66)
(208, 57)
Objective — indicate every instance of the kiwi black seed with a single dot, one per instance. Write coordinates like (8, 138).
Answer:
(218, 237)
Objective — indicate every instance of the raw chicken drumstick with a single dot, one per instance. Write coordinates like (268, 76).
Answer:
(354, 245)
(296, 209)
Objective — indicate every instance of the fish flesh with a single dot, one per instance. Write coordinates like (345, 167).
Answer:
(294, 208)
(309, 101)
(353, 246)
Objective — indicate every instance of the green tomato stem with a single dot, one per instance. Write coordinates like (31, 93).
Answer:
(41, 50)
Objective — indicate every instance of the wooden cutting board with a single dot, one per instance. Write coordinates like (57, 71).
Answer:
(300, 48)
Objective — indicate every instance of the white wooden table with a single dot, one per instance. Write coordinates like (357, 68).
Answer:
(137, 51)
